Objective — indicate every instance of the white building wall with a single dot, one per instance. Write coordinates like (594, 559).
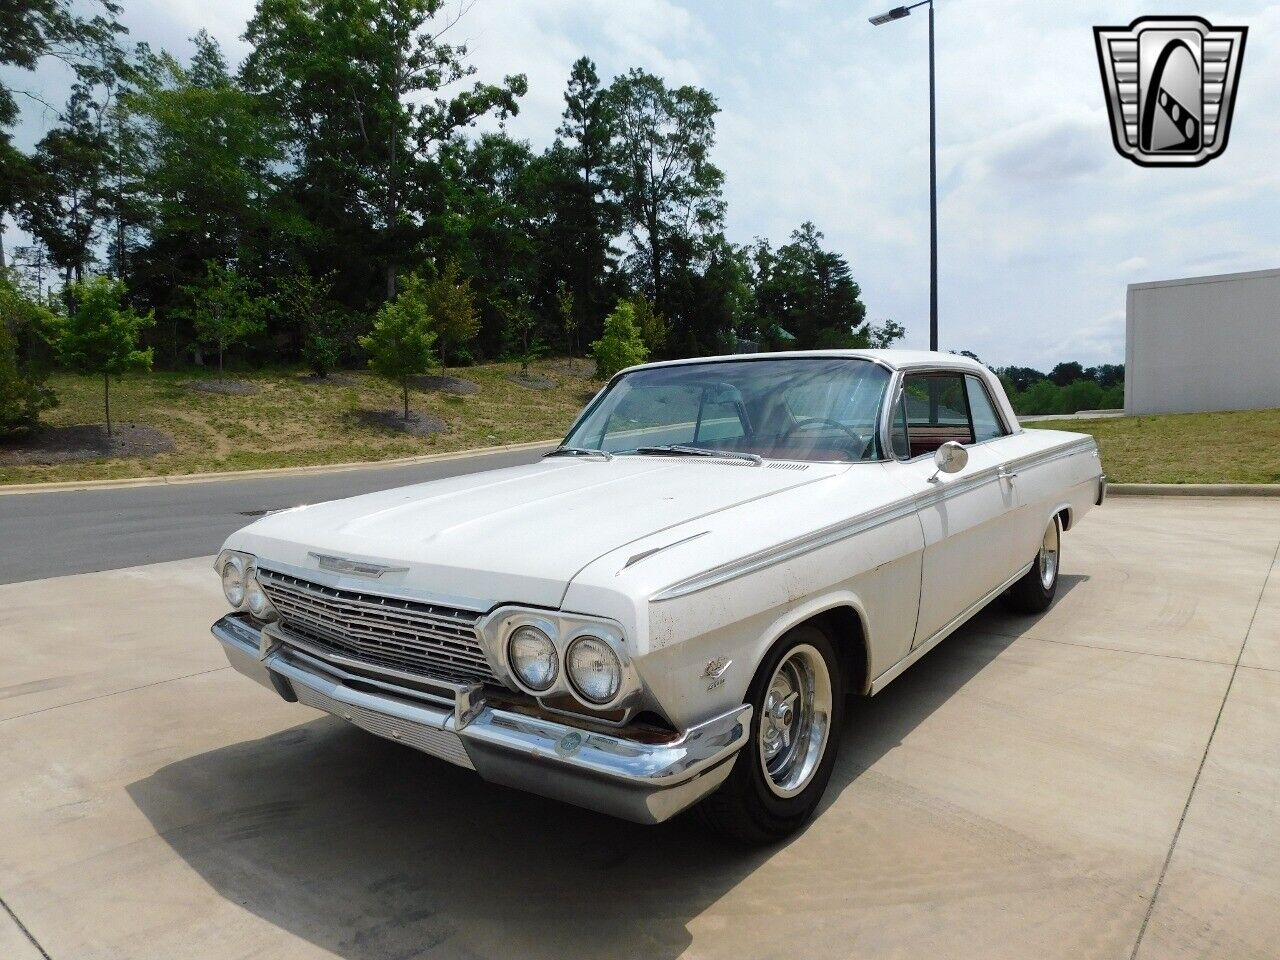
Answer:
(1204, 343)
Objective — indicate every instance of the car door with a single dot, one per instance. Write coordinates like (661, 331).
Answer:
(967, 517)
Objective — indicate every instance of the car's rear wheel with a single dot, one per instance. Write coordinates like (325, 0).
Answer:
(780, 775)
(1035, 591)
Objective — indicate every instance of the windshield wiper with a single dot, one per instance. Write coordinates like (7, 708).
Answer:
(680, 450)
(578, 452)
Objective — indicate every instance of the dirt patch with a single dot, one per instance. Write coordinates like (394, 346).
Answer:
(228, 388)
(332, 380)
(573, 366)
(432, 383)
(86, 442)
(533, 381)
(418, 425)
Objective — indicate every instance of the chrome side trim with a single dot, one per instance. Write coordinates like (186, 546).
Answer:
(882, 681)
(787, 551)
(836, 532)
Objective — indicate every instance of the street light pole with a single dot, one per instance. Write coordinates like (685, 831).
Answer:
(897, 13)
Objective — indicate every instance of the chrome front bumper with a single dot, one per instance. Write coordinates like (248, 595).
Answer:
(644, 782)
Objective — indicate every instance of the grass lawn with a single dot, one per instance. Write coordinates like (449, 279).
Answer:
(292, 421)
(1237, 447)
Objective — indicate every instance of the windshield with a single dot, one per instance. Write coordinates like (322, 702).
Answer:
(799, 408)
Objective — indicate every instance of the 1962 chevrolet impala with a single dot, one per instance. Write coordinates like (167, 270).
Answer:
(672, 607)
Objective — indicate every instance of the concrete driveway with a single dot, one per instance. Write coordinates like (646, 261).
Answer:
(1100, 781)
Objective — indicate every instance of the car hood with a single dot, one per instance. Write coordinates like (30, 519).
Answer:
(519, 534)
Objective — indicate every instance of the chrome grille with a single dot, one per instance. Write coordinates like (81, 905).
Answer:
(405, 635)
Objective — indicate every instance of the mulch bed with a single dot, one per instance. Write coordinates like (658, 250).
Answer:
(417, 425)
(533, 382)
(434, 383)
(86, 442)
(228, 388)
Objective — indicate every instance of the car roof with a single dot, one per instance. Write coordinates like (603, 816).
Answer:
(894, 359)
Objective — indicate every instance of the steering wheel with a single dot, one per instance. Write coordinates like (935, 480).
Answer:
(805, 423)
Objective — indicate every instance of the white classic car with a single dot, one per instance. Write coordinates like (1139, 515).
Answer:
(672, 607)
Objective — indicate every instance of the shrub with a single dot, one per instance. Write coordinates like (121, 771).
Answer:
(452, 309)
(99, 336)
(621, 344)
(400, 343)
(22, 391)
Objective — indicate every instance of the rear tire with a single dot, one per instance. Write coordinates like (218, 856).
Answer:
(781, 773)
(1035, 591)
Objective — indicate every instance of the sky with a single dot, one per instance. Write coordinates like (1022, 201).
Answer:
(825, 118)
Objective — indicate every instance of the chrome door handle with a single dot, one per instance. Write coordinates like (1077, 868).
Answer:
(1006, 475)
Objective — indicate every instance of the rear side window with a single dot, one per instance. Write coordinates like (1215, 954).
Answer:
(937, 409)
(986, 424)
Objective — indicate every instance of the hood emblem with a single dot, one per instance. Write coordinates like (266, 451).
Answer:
(355, 568)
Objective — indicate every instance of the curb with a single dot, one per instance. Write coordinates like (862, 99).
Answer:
(184, 478)
(1193, 489)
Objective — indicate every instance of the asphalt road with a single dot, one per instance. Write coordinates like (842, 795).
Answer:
(84, 531)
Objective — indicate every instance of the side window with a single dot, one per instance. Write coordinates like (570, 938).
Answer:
(937, 411)
(986, 425)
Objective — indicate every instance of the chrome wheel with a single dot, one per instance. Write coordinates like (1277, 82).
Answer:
(1048, 556)
(795, 721)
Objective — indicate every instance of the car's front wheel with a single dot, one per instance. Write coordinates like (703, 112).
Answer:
(780, 775)
(1035, 591)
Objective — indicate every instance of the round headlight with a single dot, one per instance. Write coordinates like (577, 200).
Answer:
(594, 669)
(233, 580)
(256, 601)
(533, 658)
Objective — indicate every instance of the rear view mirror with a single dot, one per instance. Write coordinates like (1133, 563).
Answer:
(951, 457)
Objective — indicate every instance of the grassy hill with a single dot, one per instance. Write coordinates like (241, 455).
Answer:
(285, 418)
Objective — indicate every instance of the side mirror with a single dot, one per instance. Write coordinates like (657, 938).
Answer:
(951, 457)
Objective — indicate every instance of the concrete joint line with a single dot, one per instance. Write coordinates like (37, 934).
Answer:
(113, 693)
(25, 932)
(1195, 781)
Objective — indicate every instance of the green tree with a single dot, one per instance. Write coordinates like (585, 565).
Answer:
(223, 309)
(400, 343)
(621, 345)
(307, 304)
(661, 170)
(652, 324)
(211, 181)
(362, 85)
(568, 318)
(808, 292)
(521, 333)
(881, 336)
(23, 393)
(98, 335)
(452, 310)
(584, 217)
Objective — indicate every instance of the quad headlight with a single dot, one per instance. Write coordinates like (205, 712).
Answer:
(232, 569)
(556, 656)
(533, 658)
(241, 587)
(594, 669)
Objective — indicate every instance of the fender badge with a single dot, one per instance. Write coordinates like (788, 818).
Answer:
(569, 744)
(716, 668)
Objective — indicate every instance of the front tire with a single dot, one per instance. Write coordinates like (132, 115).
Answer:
(1035, 591)
(781, 773)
